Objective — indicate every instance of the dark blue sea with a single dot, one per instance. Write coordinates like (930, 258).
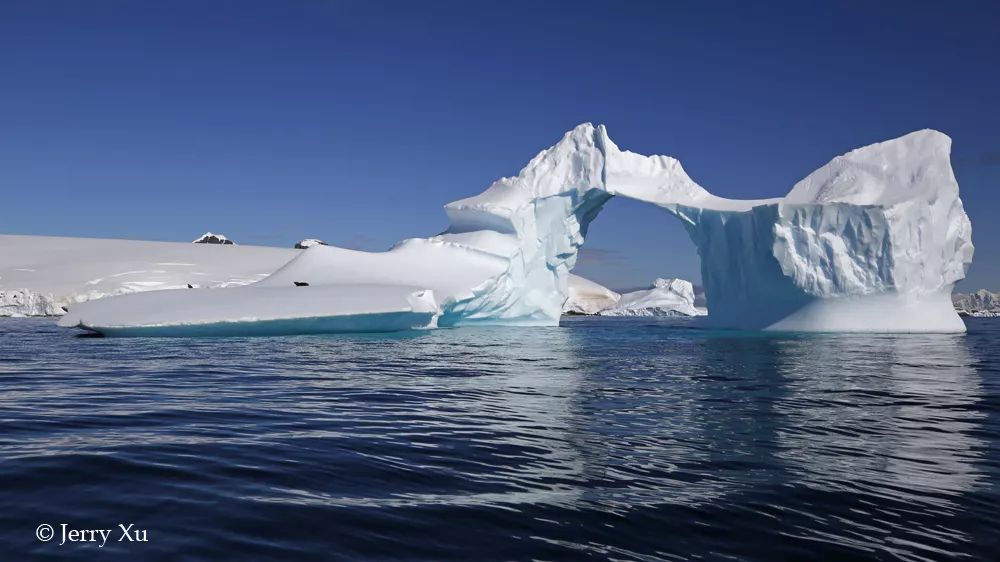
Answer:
(605, 438)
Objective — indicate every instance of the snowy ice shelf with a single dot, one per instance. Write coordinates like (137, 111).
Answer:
(873, 241)
(39, 275)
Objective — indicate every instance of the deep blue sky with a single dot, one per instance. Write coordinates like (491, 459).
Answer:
(356, 121)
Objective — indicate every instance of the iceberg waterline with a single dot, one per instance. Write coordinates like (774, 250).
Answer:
(873, 241)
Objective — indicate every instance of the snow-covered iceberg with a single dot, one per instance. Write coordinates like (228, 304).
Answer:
(588, 297)
(39, 275)
(276, 311)
(667, 297)
(873, 241)
(980, 303)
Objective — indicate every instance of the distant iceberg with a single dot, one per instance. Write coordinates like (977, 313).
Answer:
(980, 303)
(667, 297)
(588, 297)
(873, 241)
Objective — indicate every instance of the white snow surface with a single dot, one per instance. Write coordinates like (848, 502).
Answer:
(667, 297)
(276, 310)
(873, 241)
(39, 275)
(588, 297)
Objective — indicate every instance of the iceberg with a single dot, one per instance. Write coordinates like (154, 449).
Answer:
(588, 297)
(667, 297)
(873, 241)
(40, 275)
(981, 303)
(276, 311)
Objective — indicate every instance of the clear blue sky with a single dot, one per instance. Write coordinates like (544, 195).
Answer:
(356, 121)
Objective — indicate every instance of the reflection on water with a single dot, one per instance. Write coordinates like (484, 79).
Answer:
(890, 411)
(606, 437)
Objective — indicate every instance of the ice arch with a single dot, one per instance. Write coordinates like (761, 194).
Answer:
(873, 241)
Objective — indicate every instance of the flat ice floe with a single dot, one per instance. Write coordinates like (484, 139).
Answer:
(873, 241)
(278, 310)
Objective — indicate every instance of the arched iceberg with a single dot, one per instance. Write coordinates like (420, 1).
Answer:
(873, 241)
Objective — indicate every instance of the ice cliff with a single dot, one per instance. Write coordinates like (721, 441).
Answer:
(872, 241)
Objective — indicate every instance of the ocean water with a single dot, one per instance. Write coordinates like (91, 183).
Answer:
(605, 438)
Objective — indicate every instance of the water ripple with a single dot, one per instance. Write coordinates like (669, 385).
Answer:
(628, 439)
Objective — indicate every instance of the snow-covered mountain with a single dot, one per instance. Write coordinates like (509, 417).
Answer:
(979, 303)
(309, 243)
(666, 297)
(39, 275)
(209, 238)
(873, 241)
